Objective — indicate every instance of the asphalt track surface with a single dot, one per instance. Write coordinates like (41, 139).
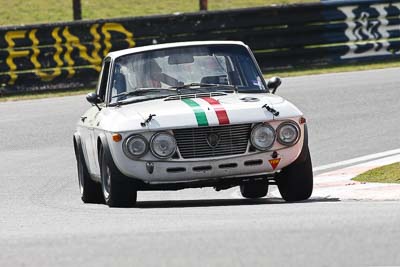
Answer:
(44, 223)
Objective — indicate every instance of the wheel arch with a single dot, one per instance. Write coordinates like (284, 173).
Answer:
(304, 150)
(80, 153)
(77, 143)
(102, 143)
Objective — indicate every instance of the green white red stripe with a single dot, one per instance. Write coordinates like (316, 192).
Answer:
(200, 114)
(219, 110)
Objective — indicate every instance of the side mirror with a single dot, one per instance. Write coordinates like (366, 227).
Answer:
(93, 99)
(274, 83)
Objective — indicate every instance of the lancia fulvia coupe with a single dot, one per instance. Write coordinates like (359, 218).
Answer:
(189, 115)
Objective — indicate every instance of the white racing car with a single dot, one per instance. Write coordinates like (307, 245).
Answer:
(187, 115)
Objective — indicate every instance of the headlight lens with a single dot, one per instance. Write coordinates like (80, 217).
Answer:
(263, 136)
(288, 133)
(163, 145)
(135, 146)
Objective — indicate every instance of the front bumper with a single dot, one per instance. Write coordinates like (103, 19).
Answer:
(172, 171)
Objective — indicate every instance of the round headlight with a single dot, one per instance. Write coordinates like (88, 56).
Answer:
(163, 145)
(263, 136)
(135, 146)
(288, 133)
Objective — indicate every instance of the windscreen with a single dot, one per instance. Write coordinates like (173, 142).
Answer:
(167, 68)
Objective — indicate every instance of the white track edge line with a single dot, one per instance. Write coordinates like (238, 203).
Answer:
(357, 160)
(370, 157)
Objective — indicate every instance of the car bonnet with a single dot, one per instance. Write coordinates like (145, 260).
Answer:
(183, 112)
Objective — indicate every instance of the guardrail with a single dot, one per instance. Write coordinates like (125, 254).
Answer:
(68, 55)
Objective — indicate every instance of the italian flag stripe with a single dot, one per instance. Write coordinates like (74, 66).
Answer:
(219, 110)
(198, 112)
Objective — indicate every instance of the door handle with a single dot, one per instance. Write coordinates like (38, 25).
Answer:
(83, 118)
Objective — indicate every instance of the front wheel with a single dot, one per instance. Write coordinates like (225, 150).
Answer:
(295, 182)
(256, 189)
(118, 191)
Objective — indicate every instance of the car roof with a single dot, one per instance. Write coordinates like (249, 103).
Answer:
(133, 50)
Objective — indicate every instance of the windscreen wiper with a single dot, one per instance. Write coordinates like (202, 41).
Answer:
(140, 92)
(190, 85)
(135, 100)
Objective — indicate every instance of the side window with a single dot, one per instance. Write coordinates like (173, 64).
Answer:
(101, 90)
(249, 73)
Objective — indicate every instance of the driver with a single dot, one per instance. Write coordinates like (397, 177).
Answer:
(153, 77)
(152, 74)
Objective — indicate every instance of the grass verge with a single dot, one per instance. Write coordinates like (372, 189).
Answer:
(386, 174)
(282, 73)
(39, 11)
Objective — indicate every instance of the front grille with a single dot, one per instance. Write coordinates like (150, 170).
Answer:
(193, 143)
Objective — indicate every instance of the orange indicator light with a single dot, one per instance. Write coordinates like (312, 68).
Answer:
(116, 137)
(302, 120)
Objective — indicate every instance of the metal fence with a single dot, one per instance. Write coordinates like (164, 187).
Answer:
(68, 55)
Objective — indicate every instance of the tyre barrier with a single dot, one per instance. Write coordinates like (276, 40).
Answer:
(68, 55)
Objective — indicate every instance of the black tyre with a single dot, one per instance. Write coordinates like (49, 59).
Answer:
(117, 190)
(90, 190)
(256, 189)
(295, 182)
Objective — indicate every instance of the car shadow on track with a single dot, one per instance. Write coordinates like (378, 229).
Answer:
(222, 202)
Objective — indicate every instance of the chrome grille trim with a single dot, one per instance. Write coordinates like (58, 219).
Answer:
(192, 142)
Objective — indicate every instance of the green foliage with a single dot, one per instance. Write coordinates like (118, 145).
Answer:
(385, 174)
(39, 11)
